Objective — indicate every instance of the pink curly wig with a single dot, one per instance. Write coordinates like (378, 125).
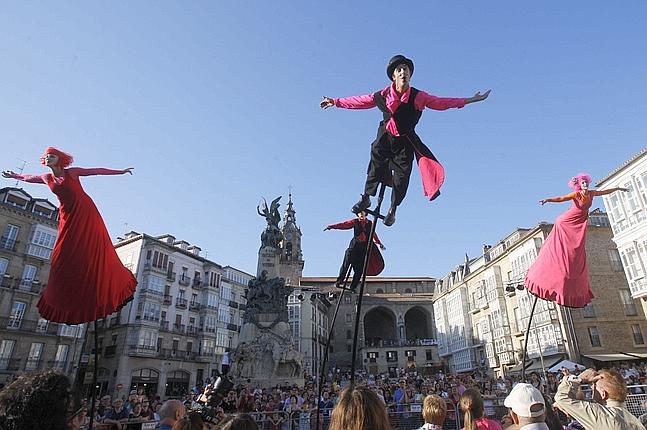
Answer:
(64, 159)
(574, 183)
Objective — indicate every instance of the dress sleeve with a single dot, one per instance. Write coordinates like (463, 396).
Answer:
(425, 100)
(80, 171)
(356, 102)
(30, 178)
(376, 239)
(346, 225)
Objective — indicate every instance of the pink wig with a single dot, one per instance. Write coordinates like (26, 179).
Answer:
(64, 159)
(574, 183)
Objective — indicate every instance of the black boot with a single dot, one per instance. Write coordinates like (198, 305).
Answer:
(363, 204)
(389, 219)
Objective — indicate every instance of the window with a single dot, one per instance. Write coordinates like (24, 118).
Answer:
(349, 318)
(160, 260)
(147, 339)
(33, 359)
(391, 356)
(212, 300)
(10, 237)
(60, 360)
(630, 258)
(6, 351)
(41, 242)
(349, 334)
(154, 284)
(588, 311)
(17, 312)
(638, 334)
(348, 299)
(349, 348)
(372, 356)
(407, 291)
(4, 263)
(628, 303)
(594, 337)
(28, 275)
(210, 323)
(208, 346)
(429, 354)
(41, 326)
(616, 262)
(152, 311)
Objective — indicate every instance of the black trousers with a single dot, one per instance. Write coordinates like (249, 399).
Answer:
(391, 163)
(353, 257)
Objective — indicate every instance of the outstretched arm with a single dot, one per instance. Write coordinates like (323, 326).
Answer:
(377, 241)
(346, 225)
(80, 171)
(565, 198)
(478, 97)
(27, 178)
(609, 191)
(355, 102)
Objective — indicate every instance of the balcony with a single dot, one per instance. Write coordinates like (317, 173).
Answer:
(196, 284)
(11, 364)
(29, 326)
(8, 244)
(180, 303)
(233, 304)
(175, 354)
(192, 331)
(179, 328)
(110, 351)
(398, 343)
(164, 325)
(151, 294)
(171, 276)
(168, 300)
(206, 356)
(194, 306)
(232, 327)
(142, 350)
(185, 280)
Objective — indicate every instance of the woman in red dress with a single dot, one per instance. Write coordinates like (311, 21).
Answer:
(87, 281)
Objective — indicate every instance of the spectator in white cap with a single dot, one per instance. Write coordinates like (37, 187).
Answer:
(607, 411)
(527, 408)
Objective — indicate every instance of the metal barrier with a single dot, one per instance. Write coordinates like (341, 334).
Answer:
(127, 425)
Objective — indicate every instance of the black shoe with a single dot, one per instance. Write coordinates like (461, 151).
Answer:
(509, 289)
(389, 219)
(363, 204)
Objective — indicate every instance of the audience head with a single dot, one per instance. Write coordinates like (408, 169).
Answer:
(434, 410)
(37, 401)
(471, 403)
(192, 421)
(526, 404)
(359, 408)
(609, 385)
(171, 411)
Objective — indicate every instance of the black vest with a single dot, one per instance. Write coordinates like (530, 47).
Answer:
(406, 116)
(359, 228)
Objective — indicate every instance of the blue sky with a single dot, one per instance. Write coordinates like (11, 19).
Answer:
(215, 104)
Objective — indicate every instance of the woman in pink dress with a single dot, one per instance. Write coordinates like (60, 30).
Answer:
(471, 403)
(87, 281)
(560, 273)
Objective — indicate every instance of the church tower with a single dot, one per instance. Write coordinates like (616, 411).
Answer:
(291, 260)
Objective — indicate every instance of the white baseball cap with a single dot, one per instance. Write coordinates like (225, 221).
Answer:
(522, 398)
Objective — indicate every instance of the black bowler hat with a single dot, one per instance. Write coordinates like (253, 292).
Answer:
(395, 61)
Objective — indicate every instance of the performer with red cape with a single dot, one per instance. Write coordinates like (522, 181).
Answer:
(560, 273)
(354, 256)
(87, 281)
(397, 142)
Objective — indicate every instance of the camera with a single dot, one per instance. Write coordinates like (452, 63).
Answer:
(211, 398)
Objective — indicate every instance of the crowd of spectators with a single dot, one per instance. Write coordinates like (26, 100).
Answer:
(474, 401)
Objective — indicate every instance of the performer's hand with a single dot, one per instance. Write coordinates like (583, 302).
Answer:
(129, 170)
(8, 174)
(626, 190)
(478, 97)
(327, 228)
(326, 103)
(543, 201)
(383, 248)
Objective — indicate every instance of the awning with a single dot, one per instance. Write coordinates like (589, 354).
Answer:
(620, 356)
(570, 365)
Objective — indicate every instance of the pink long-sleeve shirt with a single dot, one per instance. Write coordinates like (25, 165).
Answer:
(76, 171)
(393, 99)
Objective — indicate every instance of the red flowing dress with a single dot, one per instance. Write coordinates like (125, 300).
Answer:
(560, 273)
(87, 281)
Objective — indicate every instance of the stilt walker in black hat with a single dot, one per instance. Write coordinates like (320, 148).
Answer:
(397, 143)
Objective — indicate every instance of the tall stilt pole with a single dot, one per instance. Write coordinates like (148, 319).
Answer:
(94, 374)
(322, 369)
(525, 343)
(376, 216)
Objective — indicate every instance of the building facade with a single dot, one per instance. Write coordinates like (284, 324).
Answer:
(628, 216)
(396, 330)
(185, 315)
(27, 341)
(482, 309)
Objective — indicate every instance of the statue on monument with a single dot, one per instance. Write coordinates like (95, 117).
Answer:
(272, 235)
(267, 296)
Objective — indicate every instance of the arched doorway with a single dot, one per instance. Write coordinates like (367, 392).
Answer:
(177, 383)
(416, 321)
(146, 380)
(379, 327)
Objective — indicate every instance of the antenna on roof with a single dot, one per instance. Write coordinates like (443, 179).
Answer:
(21, 169)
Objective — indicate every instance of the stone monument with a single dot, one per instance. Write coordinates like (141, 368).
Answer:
(265, 353)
